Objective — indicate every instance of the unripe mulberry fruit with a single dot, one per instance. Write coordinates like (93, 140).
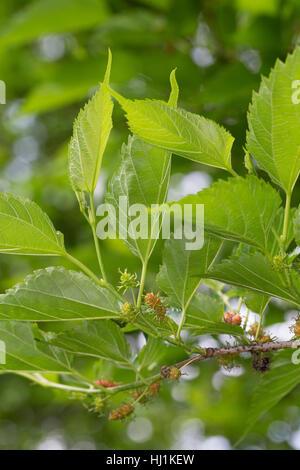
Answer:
(140, 396)
(128, 311)
(174, 373)
(122, 412)
(264, 339)
(156, 305)
(154, 389)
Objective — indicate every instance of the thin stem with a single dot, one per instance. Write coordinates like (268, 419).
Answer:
(246, 319)
(92, 220)
(180, 326)
(283, 237)
(41, 380)
(231, 170)
(142, 283)
(86, 270)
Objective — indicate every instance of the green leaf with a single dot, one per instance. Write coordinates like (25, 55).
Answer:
(26, 229)
(273, 386)
(90, 135)
(42, 17)
(143, 178)
(274, 123)
(204, 316)
(240, 209)
(178, 276)
(174, 129)
(255, 272)
(55, 294)
(157, 353)
(23, 353)
(101, 339)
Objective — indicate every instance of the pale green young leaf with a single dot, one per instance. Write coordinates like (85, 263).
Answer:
(143, 178)
(256, 272)
(26, 229)
(240, 209)
(186, 134)
(56, 294)
(273, 138)
(178, 276)
(90, 135)
(101, 339)
(27, 351)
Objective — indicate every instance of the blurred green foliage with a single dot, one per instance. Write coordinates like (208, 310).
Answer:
(52, 56)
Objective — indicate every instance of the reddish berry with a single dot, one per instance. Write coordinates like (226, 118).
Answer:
(154, 389)
(156, 305)
(174, 373)
(106, 383)
(232, 318)
(122, 412)
(237, 320)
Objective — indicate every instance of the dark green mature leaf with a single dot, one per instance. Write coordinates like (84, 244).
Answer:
(240, 209)
(255, 272)
(273, 386)
(23, 353)
(55, 294)
(274, 123)
(178, 276)
(101, 339)
(26, 229)
(186, 134)
(49, 16)
(90, 135)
